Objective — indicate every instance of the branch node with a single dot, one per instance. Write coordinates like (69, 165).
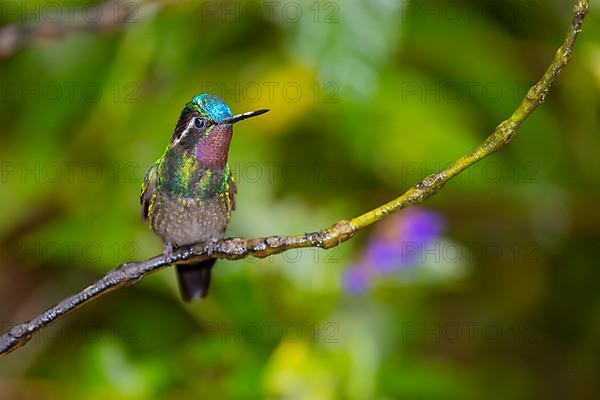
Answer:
(273, 241)
(508, 127)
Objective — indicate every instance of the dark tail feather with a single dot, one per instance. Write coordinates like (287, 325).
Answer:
(194, 279)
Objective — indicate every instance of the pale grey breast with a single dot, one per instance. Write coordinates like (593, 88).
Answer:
(185, 221)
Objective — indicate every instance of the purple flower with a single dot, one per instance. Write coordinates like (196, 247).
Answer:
(396, 244)
(383, 255)
(421, 226)
(356, 280)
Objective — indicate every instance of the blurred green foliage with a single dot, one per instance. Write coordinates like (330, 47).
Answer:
(366, 99)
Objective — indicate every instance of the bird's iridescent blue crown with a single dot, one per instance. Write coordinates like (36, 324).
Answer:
(212, 107)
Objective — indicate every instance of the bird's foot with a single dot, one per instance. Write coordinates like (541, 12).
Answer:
(211, 245)
(168, 251)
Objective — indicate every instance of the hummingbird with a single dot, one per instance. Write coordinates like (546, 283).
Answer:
(188, 194)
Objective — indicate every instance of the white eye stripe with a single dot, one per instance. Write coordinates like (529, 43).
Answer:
(189, 127)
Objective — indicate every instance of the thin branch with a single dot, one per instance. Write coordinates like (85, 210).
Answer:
(237, 248)
(109, 15)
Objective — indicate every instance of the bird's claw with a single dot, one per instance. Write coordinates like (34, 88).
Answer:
(168, 251)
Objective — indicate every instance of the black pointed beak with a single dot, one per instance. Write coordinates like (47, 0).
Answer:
(243, 116)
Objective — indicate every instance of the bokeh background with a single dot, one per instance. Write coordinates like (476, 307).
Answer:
(489, 290)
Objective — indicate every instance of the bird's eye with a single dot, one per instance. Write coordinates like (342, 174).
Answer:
(199, 123)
